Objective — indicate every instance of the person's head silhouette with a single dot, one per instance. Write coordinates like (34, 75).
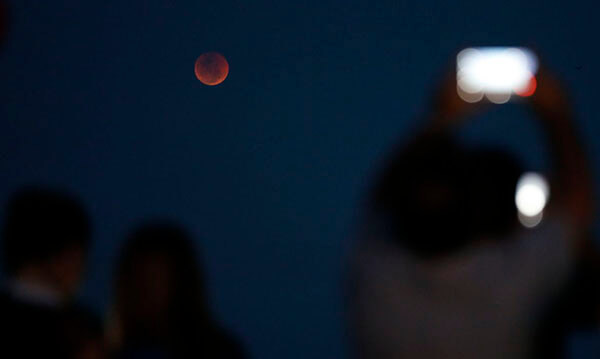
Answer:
(438, 196)
(158, 286)
(45, 238)
(161, 306)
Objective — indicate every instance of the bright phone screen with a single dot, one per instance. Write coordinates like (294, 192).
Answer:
(495, 72)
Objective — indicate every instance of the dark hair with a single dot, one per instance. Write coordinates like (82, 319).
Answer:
(188, 309)
(190, 329)
(437, 197)
(41, 223)
(492, 182)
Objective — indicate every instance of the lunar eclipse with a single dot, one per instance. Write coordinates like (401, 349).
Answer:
(211, 68)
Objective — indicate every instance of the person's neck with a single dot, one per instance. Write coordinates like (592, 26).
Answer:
(34, 286)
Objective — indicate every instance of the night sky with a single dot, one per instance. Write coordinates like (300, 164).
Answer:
(266, 169)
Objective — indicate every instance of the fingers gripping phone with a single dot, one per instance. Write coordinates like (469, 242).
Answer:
(497, 73)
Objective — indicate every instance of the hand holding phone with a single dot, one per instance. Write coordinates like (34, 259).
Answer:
(496, 73)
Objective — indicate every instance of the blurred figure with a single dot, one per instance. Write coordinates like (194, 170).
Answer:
(570, 326)
(45, 238)
(442, 268)
(3, 21)
(161, 308)
(83, 334)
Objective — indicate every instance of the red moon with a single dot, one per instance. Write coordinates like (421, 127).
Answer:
(211, 68)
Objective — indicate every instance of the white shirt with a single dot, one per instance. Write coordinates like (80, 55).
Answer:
(479, 303)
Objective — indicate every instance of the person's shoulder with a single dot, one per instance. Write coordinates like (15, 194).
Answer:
(78, 321)
(228, 345)
(7, 305)
(10, 306)
(554, 230)
(82, 312)
(5, 297)
(26, 326)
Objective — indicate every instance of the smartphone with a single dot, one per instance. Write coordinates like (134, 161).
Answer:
(497, 73)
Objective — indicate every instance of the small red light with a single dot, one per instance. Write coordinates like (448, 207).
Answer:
(530, 89)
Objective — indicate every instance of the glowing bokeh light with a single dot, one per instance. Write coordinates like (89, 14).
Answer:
(531, 221)
(496, 72)
(531, 195)
(498, 98)
(470, 97)
(530, 89)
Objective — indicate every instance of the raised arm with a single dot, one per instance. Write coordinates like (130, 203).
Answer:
(571, 181)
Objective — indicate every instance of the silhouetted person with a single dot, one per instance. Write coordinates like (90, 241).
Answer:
(570, 325)
(45, 239)
(161, 308)
(3, 21)
(83, 334)
(442, 268)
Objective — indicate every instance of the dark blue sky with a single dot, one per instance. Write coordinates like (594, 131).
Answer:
(267, 168)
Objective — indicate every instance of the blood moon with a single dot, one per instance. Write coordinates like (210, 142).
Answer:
(211, 68)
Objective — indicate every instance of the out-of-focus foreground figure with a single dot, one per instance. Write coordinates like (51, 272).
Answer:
(45, 239)
(161, 308)
(442, 267)
(3, 21)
